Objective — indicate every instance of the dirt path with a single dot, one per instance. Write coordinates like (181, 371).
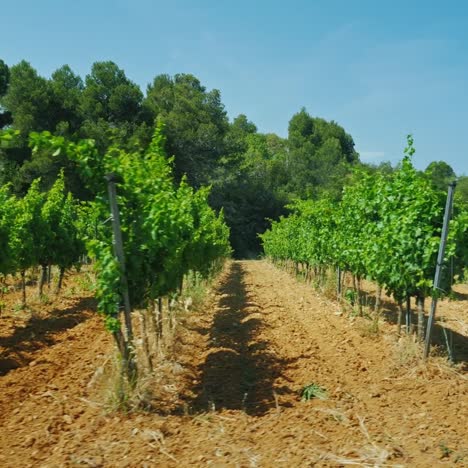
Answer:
(237, 372)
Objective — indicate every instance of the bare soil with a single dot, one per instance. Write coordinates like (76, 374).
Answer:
(229, 393)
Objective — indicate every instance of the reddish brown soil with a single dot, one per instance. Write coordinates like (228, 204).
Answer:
(230, 395)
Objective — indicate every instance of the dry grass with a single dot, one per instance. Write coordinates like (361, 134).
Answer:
(369, 327)
(369, 455)
(408, 352)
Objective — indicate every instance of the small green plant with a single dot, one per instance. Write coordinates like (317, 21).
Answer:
(70, 292)
(45, 299)
(350, 296)
(19, 307)
(313, 391)
(86, 282)
(446, 451)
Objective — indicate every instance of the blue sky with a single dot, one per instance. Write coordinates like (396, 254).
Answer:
(381, 69)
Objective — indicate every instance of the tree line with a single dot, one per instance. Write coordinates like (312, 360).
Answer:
(253, 175)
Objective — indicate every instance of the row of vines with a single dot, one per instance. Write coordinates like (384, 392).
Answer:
(386, 229)
(168, 229)
(39, 230)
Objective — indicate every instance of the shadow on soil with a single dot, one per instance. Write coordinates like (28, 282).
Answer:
(41, 332)
(459, 296)
(240, 371)
(457, 342)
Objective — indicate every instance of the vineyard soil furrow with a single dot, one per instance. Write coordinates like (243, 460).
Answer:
(231, 393)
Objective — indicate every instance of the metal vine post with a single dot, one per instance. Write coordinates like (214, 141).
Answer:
(119, 253)
(437, 277)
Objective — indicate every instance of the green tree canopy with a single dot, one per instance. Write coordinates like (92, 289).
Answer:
(320, 156)
(4, 77)
(28, 99)
(462, 189)
(110, 95)
(5, 116)
(67, 89)
(195, 124)
(440, 174)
